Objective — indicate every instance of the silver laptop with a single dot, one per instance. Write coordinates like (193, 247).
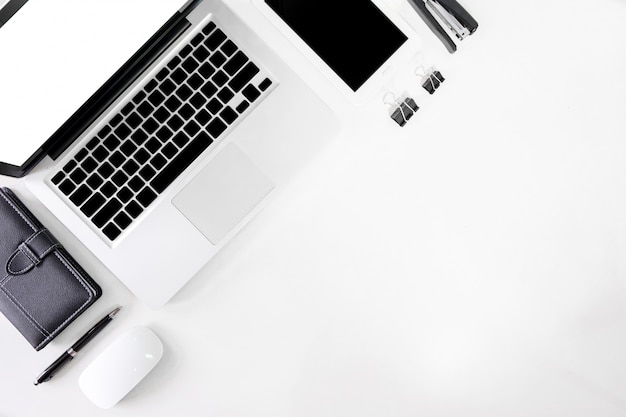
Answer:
(153, 130)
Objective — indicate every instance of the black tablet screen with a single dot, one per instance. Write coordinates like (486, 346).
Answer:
(353, 37)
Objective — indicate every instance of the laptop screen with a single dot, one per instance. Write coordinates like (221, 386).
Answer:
(54, 54)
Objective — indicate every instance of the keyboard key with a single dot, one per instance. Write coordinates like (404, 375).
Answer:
(185, 51)
(228, 48)
(124, 195)
(134, 120)
(190, 64)
(216, 128)
(111, 142)
(169, 151)
(167, 87)
(81, 155)
(215, 39)
(250, 92)
(197, 100)
(162, 114)
(134, 209)
(186, 112)
(107, 212)
(181, 139)
(94, 181)
(128, 148)
(203, 117)
(241, 107)
(139, 97)
(229, 115)
(122, 220)
(116, 120)
(93, 204)
(136, 183)
(153, 145)
(67, 187)
(162, 74)
(265, 84)
(195, 81)
(173, 103)
(197, 39)
(243, 77)
(158, 161)
(152, 84)
(89, 164)
(156, 98)
(146, 196)
(206, 70)
(181, 162)
(80, 195)
(108, 189)
(225, 95)
(145, 109)
(130, 167)
(219, 78)
(175, 123)
(139, 137)
(58, 178)
(91, 145)
(128, 108)
(69, 166)
(141, 156)
(105, 170)
(235, 63)
(174, 62)
(111, 231)
(208, 28)
(150, 126)
(104, 132)
(191, 128)
(215, 106)
(217, 59)
(183, 92)
(78, 175)
(101, 153)
(147, 172)
(201, 53)
(164, 134)
(119, 178)
(179, 76)
(209, 89)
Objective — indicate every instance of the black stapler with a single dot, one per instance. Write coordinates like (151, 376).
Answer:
(450, 13)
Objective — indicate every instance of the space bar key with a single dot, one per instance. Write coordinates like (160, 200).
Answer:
(181, 162)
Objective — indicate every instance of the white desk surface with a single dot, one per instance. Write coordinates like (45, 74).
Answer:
(472, 263)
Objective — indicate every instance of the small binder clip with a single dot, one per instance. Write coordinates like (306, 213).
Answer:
(431, 79)
(450, 13)
(403, 110)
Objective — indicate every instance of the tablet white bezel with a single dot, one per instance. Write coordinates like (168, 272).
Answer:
(374, 84)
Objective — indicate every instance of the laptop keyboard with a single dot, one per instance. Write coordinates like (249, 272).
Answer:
(177, 115)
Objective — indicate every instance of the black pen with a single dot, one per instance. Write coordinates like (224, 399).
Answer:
(71, 352)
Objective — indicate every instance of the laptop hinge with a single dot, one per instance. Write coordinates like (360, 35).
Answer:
(119, 82)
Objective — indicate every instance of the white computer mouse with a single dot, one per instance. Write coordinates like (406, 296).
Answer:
(121, 366)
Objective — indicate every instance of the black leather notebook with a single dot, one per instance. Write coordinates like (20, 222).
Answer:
(42, 289)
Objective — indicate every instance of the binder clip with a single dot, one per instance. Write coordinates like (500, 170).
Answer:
(431, 79)
(451, 14)
(402, 110)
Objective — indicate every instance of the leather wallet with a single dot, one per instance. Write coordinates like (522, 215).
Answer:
(42, 289)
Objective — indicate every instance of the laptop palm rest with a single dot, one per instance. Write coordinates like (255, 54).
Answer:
(223, 193)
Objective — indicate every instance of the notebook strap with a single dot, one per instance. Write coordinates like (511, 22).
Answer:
(31, 252)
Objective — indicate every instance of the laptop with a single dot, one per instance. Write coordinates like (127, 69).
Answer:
(154, 130)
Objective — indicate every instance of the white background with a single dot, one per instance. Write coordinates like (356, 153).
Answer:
(469, 264)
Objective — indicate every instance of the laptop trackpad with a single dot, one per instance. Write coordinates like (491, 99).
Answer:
(223, 193)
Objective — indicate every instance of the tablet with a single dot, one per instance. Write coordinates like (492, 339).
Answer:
(357, 44)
